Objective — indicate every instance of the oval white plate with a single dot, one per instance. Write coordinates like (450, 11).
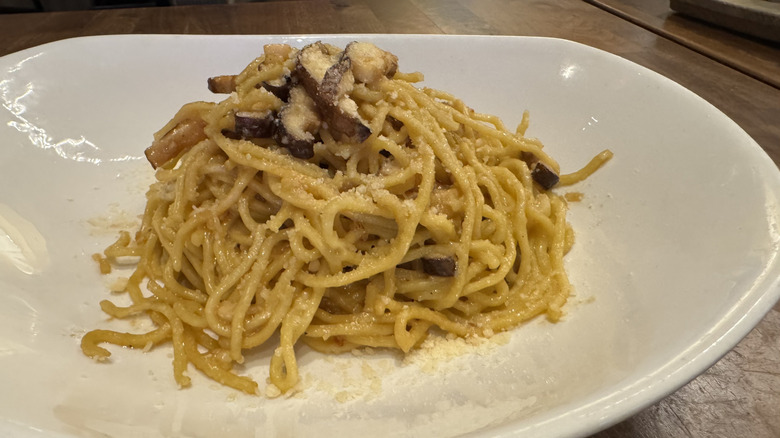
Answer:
(675, 260)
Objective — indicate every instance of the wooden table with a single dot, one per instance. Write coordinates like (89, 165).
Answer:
(740, 395)
(754, 57)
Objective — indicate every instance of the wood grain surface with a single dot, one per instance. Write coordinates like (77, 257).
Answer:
(754, 57)
(740, 395)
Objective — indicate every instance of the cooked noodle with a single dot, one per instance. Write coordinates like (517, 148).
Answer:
(241, 240)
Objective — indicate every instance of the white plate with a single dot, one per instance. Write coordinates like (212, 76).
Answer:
(675, 260)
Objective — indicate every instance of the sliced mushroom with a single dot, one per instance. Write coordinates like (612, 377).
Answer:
(439, 266)
(231, 134)
(182, 137)
(224, 84)
(328, 80)
(395, 123)
(344, 120)
(297, 123)
(315, 59)
(279, 87)
(529, 158)
(544, 175)
(334, 84)
(326, 76)
(254, 124)
(410, 265)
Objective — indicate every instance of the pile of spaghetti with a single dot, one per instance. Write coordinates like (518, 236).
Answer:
(328, 200)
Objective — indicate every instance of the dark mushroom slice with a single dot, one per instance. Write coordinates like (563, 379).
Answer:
(412, 265)
(333, 85)
(544, 175)
(182, 137)
(225, 84)
(231, 134)
(341, 111)
(348, 124)
(327, 81)
(297, 123)
(529, 158)
(279, 87)
(395, 123)
(299, 147)
(311, 64)
(254, 124)
(439, 266)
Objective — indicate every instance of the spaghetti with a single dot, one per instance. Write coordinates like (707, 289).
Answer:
(330, 200)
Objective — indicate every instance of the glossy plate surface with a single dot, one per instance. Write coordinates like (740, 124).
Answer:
(675, 259)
